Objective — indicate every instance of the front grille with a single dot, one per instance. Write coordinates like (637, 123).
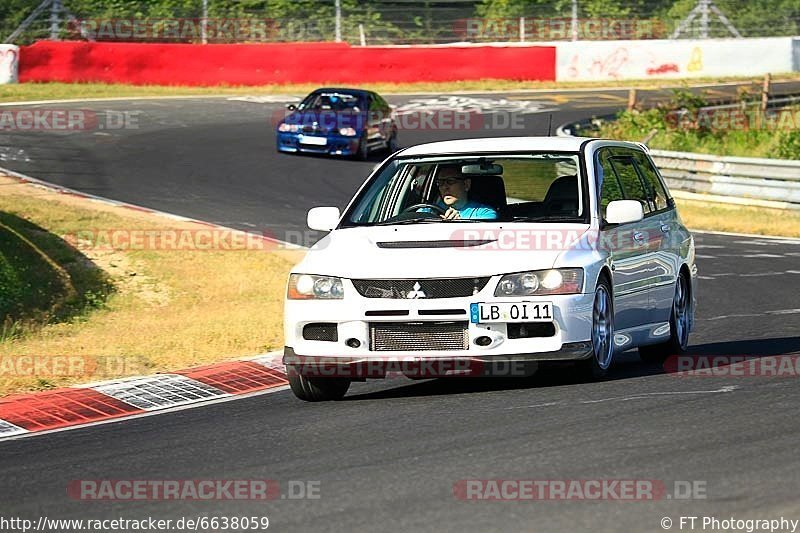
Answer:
(418, 336)
(525, 330)
(419, 288)
(321, 331)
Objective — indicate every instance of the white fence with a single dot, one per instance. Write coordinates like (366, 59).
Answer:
(9, 63)
(679, 58)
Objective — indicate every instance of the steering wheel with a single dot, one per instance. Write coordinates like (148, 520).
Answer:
(416, 207)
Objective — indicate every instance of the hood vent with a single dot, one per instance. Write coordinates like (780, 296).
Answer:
(435, 244)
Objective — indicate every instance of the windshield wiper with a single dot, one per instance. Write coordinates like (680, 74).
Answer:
(547, 219)
(407, 221)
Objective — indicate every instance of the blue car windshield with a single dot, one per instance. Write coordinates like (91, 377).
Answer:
(329, 101)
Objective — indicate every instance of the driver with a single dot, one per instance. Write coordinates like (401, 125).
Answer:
(453, 188)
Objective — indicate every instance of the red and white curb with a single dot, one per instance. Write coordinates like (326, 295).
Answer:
(82, 405)
(67, 408)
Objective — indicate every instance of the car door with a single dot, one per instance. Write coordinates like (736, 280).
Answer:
(384, 112)
(625, 243)
(374, 120)
(666, 238)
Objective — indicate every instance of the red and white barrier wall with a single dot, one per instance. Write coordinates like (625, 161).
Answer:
(320, 63)
(9, 63)
(259, 64)
(683, 58)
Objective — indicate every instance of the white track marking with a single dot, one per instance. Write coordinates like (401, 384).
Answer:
(644, 395)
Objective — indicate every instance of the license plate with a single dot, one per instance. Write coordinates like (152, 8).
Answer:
(511, 312)
(316, 141)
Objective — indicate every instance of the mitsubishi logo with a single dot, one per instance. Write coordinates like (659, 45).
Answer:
(416, 293)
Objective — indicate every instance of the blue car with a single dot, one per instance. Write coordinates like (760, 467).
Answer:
(348, 122)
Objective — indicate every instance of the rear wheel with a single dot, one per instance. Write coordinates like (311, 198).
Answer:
(678, 327)
(598, 364)
(317, 389)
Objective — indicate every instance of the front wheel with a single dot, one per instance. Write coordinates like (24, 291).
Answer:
(363, 149)
(596, 367)
(679, 321)
(392, 145)
(317, 389)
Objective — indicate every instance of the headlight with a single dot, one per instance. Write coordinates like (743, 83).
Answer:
(310, 287)
(288, 128)
(348, 132)
(541, 282)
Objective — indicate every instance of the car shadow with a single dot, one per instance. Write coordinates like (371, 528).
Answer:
(627, 366)
(376, 156)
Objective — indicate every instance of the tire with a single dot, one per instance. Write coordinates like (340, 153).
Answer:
(679, 319)
(392, 146)
(596, 367)
(317, 389)
(363, 149)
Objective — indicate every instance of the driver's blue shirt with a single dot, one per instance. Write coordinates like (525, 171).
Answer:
(474, 210)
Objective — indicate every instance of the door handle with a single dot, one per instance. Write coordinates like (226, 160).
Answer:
(638, 236)
(665, 228)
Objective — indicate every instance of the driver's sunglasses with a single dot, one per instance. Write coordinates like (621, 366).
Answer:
(447, 181)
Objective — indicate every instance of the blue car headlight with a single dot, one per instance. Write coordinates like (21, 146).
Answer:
(288, 128)
(348, 132)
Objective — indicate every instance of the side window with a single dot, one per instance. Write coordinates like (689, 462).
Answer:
(658, 193)
(632, 185)
(610, 189)
(381, 102)
(375, 113)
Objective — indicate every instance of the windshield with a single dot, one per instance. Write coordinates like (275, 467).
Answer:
(329, 101)
(542, 187)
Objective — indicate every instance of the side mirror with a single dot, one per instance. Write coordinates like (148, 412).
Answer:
(291, 107)
(624, 211)
(323, 218)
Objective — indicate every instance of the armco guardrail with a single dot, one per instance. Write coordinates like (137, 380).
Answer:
(768, 182)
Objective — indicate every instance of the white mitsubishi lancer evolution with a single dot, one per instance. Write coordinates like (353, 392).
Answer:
(486, 256)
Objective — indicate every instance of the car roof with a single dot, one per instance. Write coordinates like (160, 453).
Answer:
(499, 144)
(345, 90)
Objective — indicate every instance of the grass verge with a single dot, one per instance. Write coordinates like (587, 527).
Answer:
(63, 91)
(162, 309)
(739, 219)
(687, 124)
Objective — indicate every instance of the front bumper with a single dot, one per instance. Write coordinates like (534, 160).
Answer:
(355, 317)
(415, 366)
(334, 144)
